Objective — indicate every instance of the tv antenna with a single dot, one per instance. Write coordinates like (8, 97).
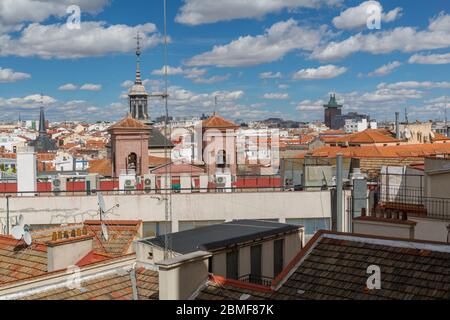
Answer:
(21, 231)
(102, 210)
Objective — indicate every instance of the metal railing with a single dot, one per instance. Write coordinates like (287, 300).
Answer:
(256, 279)
(411, 201)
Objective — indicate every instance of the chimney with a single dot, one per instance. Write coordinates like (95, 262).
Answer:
(339, 194)
(67, 248)
(397, 126)
(181, 276)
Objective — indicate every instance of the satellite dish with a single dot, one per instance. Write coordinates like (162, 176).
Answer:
(17, 232)
(101, 202)
(105, 232)
(20, 220)
(27, 238)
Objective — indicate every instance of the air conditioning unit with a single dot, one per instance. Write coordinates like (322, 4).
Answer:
(58, 185)
(223, 182)
(130, 184)
(148, 183)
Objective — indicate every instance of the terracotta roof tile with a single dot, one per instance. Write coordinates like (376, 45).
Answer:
(411, 150)
(102, 167)
(368, 136)
(129, 122)
(218, 122)
(112, 286)
(121, 235)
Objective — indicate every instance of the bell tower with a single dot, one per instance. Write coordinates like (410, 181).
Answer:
(138, 96)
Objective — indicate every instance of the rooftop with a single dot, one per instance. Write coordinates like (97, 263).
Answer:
(128, 123)
(334, 266)
(402, 151)
(220, 235)
(218, 122)
(367, 136)
(115, 285)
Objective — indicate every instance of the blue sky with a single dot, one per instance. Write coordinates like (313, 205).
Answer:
(265, 58)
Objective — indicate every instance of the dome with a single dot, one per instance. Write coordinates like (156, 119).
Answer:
(138, 89)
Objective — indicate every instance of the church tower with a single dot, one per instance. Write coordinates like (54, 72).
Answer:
(138, 96)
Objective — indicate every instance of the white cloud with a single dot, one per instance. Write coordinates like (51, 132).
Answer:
(430, 59)
(9, 75)
(195, 12)
(170, 71)
(385, 69)
(356, 17)
(323, 72)
(93, 39)
(280, 39)
(127, 84)
(194, 73)
(213, 79)
(415, 85)
(308, 105)
(283, 86)
(270, 75)
(404, 39)
(14, 13)
(34, 100)
(276, 96)
(68, 87)
(91, 87)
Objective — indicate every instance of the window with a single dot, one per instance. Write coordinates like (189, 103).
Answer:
(255, 261)
(278, 257)
(233, 264)
(153, 229)
(312, 225)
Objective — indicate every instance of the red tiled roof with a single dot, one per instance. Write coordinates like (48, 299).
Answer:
(439, 137)
(110, 286)
(157, 161)
(368, 136)
(92, 257)
(218, 122)
(121, 235)
(18, 261)
(402, 151)
(128, 122)
(102, 167)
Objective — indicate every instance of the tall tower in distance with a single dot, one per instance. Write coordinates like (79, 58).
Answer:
(332, 109)
(138, 96)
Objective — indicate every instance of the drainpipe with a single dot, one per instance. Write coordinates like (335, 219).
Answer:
(339, 213)
(397, 126)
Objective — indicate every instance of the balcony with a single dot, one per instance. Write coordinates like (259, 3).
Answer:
(256, 279)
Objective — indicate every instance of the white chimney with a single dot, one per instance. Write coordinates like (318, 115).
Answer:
(181, 276)
(26, 171)
(67, 248)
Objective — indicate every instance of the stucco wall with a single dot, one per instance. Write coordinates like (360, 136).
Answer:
(185, 207)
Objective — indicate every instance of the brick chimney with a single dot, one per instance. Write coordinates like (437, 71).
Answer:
(67, 248)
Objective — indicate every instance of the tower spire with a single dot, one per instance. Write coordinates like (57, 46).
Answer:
(138, 59)
(42, 129)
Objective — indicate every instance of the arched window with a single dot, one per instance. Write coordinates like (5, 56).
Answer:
(221, 159)
(132, 161)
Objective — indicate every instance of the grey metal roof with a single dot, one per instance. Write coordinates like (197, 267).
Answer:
(221, 235)
(157, 140)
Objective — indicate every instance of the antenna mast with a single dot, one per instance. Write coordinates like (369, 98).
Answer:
(168, 169)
